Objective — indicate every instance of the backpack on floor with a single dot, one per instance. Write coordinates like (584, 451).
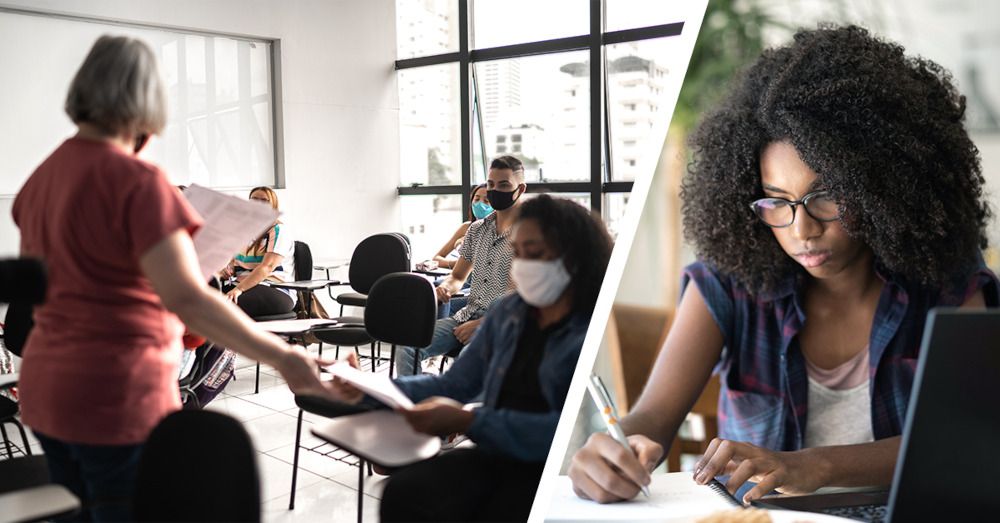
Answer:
(220, 369)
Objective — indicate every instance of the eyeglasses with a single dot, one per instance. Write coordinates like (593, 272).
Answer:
(779, 212)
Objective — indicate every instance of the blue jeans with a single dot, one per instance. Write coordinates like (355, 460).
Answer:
(102, 476)
(444, 341)
(454, 305)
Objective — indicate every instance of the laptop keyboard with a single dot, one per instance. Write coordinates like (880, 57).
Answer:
(869, 513)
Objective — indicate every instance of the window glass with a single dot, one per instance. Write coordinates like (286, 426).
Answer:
(429, 221)
(639, 102)
(426, 27)
(528, 111)
(629, 14)
(506, 22)
(429, 125)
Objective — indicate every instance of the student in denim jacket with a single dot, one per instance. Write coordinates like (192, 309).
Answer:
(520, 362)
(834, 199)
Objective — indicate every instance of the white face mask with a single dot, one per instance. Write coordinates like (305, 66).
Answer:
(539, 282)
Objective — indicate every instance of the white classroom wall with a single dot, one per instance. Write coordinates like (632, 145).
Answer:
(339, 100)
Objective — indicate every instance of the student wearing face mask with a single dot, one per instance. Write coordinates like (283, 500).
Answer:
(449, 254)
(520, 362)
(479, 208)
(487, 250)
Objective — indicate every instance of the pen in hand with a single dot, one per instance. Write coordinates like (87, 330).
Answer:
(604, 404)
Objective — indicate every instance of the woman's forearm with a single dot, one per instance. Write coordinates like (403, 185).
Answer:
(259, 274)
(654, 426)
(861, 465)
(444, 262)
(209, 314)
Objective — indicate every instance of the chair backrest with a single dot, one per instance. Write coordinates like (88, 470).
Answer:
(23, 283)
(377, 256)
(303, 261)
(401, 310)
(640, 332)
(197, 465)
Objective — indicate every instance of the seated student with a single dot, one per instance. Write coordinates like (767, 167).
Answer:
(448, 255)
(834, 199)
(521, 361)
(100, 366)
(486, 250)
(270, 257)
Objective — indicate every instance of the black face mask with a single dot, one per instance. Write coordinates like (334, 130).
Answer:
(500, 200)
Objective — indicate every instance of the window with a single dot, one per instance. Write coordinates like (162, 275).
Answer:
(224, 125)
(430, 150)
(647, 63)
(429, 221)
(526, 86)
(426, 27)
(525, 99)
(505, 22)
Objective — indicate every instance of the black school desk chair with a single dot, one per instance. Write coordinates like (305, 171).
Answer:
(302, 272)
(23, 282)
(197, 465)
(27, 493)
(372, 259)
(388, 297)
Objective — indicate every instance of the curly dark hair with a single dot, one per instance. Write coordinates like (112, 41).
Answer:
(581, 239)
(882, 131)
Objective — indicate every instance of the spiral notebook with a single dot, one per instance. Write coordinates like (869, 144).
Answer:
(673, 497)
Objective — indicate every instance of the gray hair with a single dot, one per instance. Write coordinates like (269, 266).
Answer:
(118, 88)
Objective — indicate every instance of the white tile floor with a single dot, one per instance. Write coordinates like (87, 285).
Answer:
(326, 489)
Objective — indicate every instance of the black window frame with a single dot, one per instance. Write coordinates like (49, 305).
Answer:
(601, 180)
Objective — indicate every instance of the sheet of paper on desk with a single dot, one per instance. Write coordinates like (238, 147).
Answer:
(673, 497)
(379, 386)
(230, 224)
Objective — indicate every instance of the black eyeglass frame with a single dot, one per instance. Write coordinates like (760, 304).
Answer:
(804, 202)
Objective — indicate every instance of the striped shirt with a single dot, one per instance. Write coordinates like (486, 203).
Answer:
(278, 241)
(491, 255)
(765, 385)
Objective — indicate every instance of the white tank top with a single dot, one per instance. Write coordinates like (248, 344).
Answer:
(839, 403)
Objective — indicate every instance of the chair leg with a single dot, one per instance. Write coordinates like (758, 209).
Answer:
(295, 462)
(256, 380)
(370, 469)
(374, 359)
(321, 349)
(24, 437)
(6, 441)
(392, 361)
(361, 487)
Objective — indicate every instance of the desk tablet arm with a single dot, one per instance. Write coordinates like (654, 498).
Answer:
(329, 408)
(303, 285)
(8, 380)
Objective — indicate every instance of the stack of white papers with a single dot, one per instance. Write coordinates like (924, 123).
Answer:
(231, 223)
(378, 386)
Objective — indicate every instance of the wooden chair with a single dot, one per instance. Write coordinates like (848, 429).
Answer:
(635, 336)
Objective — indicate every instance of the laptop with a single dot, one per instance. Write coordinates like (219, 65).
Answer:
(948, 467)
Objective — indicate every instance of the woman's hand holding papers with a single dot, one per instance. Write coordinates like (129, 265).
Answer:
(301, 371)
(344, 391)
(605, 472)
(439, 416)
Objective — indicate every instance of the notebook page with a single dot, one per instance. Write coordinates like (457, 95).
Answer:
(673, 497)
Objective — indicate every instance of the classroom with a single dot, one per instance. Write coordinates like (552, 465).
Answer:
(378, 129)
(499, 260)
